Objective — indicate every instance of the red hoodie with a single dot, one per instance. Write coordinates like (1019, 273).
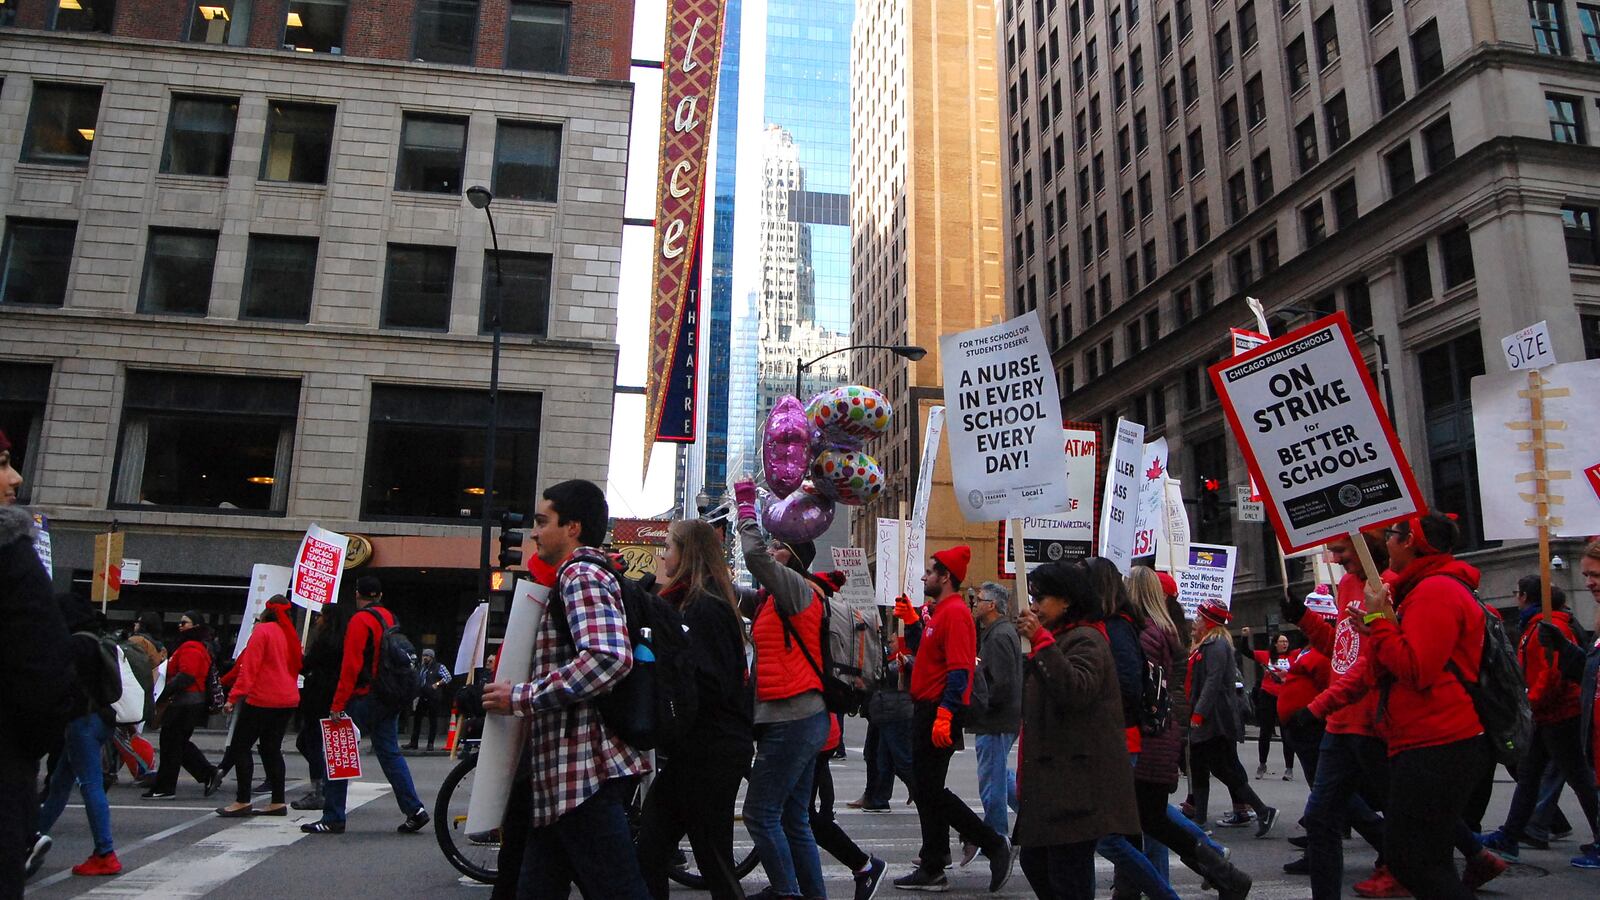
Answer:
(949, 642)
(1309, 674)
(1347, 705)
(192, 659)
(1553, 698)
(266, 671)
(1439, 622)
(361, 639)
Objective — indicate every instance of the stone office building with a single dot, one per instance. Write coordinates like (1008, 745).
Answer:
(241, 290)
(1425, 166)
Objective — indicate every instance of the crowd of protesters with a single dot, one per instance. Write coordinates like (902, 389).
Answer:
(1098, 683)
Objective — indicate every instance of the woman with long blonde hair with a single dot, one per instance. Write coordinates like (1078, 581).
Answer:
(1216, 721)
(696, 787)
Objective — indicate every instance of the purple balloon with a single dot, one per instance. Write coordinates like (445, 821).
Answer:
(785, 451)
(803, 516)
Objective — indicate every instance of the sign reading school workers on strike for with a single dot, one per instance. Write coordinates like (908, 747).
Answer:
(1069, 535)
(318, 568)
(1005, 421)
(1314, 435)
(1209, 576)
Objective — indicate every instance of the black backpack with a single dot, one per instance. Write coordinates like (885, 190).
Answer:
(1500, 696)
(394, 678)
(1155, 702)
(656, 703)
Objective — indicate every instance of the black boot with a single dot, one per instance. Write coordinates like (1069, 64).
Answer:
(1230, 882)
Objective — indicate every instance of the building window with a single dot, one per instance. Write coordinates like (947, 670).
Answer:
(1566, 119)
(1327, 39)
(1337, 116)
(1146, 196)
(1182, 306)
(1091, 53)
(1128, 217)
(1377, 11)
(432, 150)
(24, 390)
(1169, 103)
(1416, 275)
(1224, 45)
(1230, 121)
(1211, 462)
(1141, 131)
(1197, 153)
(220, 22)
(1119, 90)
(177, 272)
(1174, 170)
(1202, 222)
(315, 26)
(1097, 165)
(1148, 255)
(1447, 372)
(1426, 54)
(446, 31)
(417, 287)
(1191, 389)
(1402, 172)
(1455, 253)
(1438, 145)
(1299, 66)
(61, 123)
(1255, 102)
(527, 291)
(1589, 25)
(1247, 26)
(280, 273)
(1136, 68)
(1124, 148)
(1094, 114)
(200, 136)
(1262, 170)
(37, 258)
(1180, 238)
(1205, 291)
(1391, 82)
(1549, 31)
(299, 140)
(1242, 272)
(206, 442)
(1191, 83)
(1314, 222)
(1115, 21)
(1346, 208)
(1358, 304)
(1185, 18)
(1267, 247)
(1130, 274)
(1164, 37)
(1583, 244)
(84, 15)
(527, 161)
(1238, 197)
(1102, 236)
(1305, 135)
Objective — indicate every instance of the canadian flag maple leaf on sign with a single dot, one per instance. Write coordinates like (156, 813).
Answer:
(1154, 472)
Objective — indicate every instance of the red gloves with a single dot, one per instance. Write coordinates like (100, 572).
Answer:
(904, 612)
(744, 493)
(1196, 720)
(941, 729)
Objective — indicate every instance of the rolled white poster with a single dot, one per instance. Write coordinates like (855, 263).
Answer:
(503, 735)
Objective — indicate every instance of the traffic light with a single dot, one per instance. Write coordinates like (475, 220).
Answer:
(511, 538)
(1210, 501)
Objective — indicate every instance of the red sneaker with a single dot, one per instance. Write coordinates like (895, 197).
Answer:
(97, 864)
(1483, 868)
(1381, 884)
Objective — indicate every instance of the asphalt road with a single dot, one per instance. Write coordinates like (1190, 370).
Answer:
(179, 848)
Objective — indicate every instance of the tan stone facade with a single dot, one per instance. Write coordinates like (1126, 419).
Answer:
(926, 204)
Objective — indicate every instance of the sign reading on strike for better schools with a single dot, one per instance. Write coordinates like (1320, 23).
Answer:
(318, 568)
(1119, 510)
(1069, 535)
(1317, 441)
(341, 747)
(1005, 426)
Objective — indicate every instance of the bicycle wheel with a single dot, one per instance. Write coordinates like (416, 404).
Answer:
(689, 876)
(475, 856)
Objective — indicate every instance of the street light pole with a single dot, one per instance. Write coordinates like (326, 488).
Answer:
(480, 198)
(907, 351)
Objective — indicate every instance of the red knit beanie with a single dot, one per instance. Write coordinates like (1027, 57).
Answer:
(955, 561)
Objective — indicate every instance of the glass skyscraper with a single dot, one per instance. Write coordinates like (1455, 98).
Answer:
(720, 308)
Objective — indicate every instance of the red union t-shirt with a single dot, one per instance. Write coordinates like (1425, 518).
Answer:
(949, 642)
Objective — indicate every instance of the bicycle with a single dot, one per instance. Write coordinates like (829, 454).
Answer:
(477, 855)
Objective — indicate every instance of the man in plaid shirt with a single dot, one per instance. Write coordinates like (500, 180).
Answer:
(583, 775)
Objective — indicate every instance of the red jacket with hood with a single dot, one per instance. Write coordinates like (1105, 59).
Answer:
(1553, 698)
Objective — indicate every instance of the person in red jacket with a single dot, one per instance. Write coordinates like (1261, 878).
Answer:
(1272, 664)
(1307, 674)
(1557, 726)
(1427, 643)
(265, 693)
(187, 669)
(941, 685)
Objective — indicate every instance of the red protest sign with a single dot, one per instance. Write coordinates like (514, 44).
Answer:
(318, 568)
(341, 747)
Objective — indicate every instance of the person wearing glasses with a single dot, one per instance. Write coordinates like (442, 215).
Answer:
(995, 713)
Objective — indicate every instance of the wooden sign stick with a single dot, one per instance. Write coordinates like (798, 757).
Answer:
(1541, 485)
(305, 630)
(1020, 561)
(1374, 585)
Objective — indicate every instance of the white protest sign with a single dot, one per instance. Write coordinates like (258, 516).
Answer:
(131, 570)
(918, 536)
(888, 554)
(858, 590)
(1317, 440)
(504, 736)
(1069, 535)
(1248, 510)
(318, 568)
(1172, 550)
(1245, 341)
(1119, 508)
(1005, 451)
(1209, 576)
(1525, 350)
(469, 653)
(265, 582)
(41, 543)
(1148, 523)
(1573, 449)
(1259, 313)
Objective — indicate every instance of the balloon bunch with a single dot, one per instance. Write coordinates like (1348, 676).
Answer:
(812, 457)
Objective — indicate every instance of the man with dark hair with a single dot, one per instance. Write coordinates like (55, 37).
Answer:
(941, 687)
(582, 773)
(362, 641)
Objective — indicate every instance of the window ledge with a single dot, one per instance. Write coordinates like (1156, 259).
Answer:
(53, 171)
(430, 198)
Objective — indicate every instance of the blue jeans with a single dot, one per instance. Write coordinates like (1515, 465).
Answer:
(777, 805)
(893, 759)
(1346, 763)
(590, 845)
(994, 778)
(1550, 787)
(1135, 866)
(382, 725)
(80, 762)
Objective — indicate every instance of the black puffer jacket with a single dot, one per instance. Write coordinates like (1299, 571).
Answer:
(33, 695)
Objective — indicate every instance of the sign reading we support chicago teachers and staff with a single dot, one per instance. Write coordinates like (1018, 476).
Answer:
(1005, 421)
(1317, 441)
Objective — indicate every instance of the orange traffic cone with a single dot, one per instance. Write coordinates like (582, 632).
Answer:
(450, 736)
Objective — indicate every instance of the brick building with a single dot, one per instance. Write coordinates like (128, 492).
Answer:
(1424, 166)
(241, 290)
